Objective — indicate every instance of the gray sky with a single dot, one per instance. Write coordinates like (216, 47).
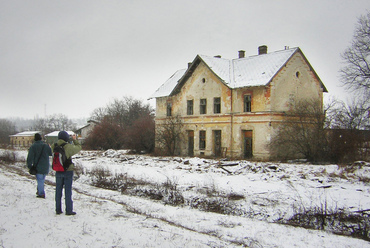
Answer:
(71, 57)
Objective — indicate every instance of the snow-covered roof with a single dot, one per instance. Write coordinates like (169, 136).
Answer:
(55, 133)
(259, 69)
(26, 133)
(166, 88)
(255, 70)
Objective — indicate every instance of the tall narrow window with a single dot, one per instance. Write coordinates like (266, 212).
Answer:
(169, 109)
(202, 140)
(247, 103)
(190, 107)
(217, 105)
(203, 106)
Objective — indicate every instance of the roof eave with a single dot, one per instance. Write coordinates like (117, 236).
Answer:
(190, 71)
(314, 72)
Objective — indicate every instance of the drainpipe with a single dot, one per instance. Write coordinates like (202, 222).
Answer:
(232, 126)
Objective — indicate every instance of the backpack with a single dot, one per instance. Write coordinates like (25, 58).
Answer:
(60, 161)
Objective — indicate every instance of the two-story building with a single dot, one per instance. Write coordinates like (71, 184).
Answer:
(233, 107)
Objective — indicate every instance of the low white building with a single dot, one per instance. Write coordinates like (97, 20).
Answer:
(52, 137)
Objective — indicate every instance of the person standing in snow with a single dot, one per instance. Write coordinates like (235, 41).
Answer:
(65, 178)
(38, 154)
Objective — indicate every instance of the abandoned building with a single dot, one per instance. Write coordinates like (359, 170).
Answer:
(232, 107)
(23, 139)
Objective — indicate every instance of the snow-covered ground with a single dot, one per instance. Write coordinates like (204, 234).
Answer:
(107, 218)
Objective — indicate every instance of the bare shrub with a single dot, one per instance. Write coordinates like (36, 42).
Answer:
(235, 197)
(103, 178)
(219, 205)
(149, 192)
(172, 196)
(78, 170)
(340, 222)
(167, 192)
(169, 135)
(8, 156)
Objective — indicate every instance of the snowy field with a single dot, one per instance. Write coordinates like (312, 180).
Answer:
(267, 193)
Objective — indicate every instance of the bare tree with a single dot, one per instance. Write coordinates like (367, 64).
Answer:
(355, 75)
(98, 114)
(346, 136)
(140, 135)
(6, 128)
(54, 122)
(169, 135)
(123, 112)
(132, 117)
(353, 116)
(105, 135)
(301, 134)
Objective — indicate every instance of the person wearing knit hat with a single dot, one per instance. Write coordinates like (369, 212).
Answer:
(63, 179)
(37, 137)
(63, 135)
(38, 155)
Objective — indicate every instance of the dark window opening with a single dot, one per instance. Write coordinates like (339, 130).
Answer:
(169, 109)
(217, 105)
(202, 140)
(203, 106)
(247, 103)
(190, 107)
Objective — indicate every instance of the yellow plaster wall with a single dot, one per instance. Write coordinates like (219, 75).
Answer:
(287, 87)
(268, 104)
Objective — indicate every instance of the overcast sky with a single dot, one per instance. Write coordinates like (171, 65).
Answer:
(71, 57)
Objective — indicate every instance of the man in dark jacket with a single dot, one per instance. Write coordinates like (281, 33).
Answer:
(38, 154)
(65, 178)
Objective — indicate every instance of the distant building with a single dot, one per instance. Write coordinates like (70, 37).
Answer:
(233, 107)
(85, 131)
(23, 139)
(52, 137)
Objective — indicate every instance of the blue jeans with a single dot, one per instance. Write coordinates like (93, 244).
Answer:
(40, 184)
(63, 179)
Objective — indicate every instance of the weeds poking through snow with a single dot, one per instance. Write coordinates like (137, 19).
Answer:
(8, 157)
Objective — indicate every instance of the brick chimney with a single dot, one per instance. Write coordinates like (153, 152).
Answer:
(241, 54)
(262, 50)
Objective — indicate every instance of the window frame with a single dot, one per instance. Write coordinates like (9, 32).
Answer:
(247, 103)
(190, 107)
(169, 109)
(203, 106)
(217, 105)
(202, 140)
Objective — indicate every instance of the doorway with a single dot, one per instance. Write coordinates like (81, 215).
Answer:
(217, 143)
(248, 143)
(190, 143)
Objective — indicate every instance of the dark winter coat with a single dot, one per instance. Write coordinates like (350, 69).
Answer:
(43, 164)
